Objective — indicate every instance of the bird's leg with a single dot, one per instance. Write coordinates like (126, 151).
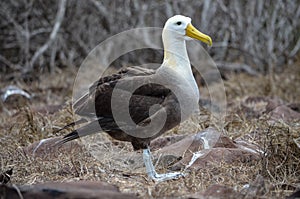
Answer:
(151, 170)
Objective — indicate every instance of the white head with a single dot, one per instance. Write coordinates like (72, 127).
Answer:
(180, 27)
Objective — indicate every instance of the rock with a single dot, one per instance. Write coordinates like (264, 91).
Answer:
(208, 146)
(255, 189)
(161, 142)
(295, 195)
(193, 142)
(273, 103)
(276, 108)
(59, 190)
(217, 192)
(215, 155)
(46, 148)
(284, 113)
(294, 107)
(256, 106)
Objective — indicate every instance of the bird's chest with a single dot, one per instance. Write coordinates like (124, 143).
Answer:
(185, 89)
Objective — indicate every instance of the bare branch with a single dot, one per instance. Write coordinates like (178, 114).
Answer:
(7, 62)
(256, 33)
(58, 21)
(237, 67)
(295, 49)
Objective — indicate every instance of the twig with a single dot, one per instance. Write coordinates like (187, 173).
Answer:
(237, 67)
(245, 52)
(58, 21)
(295, 49)
(7, 62)
(100, 7)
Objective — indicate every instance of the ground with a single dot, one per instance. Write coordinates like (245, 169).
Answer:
(38, 119)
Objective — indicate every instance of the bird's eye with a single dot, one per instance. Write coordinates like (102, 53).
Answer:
(178, 23)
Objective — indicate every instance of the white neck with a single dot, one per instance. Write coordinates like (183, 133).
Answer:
(174, 48)
(176, 58)
(175, 54)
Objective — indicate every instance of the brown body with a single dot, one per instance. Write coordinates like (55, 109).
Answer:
(97, 104)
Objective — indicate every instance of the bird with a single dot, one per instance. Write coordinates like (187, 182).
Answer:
(157, 100)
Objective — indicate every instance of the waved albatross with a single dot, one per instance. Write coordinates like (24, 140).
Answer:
(159, 99)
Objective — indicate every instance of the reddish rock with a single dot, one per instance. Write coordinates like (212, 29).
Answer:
(161, 142)
(217, 192)
(257, 105)
(46, 148)
(250, 107)
(195, 142)
(275, 108)
(255, 189)
(294, 107)
(217, 148)
(70, 190)
(295, 195)
(220, 191)
(215, 156)
(284, 113)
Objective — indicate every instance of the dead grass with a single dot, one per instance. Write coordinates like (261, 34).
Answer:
(280, 165)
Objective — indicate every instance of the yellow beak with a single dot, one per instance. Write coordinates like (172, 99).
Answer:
(192, 32)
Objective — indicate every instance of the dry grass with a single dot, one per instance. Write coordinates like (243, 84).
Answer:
(280, 165)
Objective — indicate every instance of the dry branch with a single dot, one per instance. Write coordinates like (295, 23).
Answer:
(260, 34)
(236, 67)
(58, 21)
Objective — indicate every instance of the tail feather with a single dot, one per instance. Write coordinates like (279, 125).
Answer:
(71, 136)
(89, 129)
(80, 121)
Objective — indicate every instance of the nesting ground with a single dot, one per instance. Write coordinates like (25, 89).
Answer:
(37, 119)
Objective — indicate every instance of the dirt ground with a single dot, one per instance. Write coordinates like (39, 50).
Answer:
(49, 109)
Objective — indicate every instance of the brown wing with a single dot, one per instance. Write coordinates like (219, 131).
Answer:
(97, 103)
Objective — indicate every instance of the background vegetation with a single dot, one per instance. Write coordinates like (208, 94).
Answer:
(39, 36)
